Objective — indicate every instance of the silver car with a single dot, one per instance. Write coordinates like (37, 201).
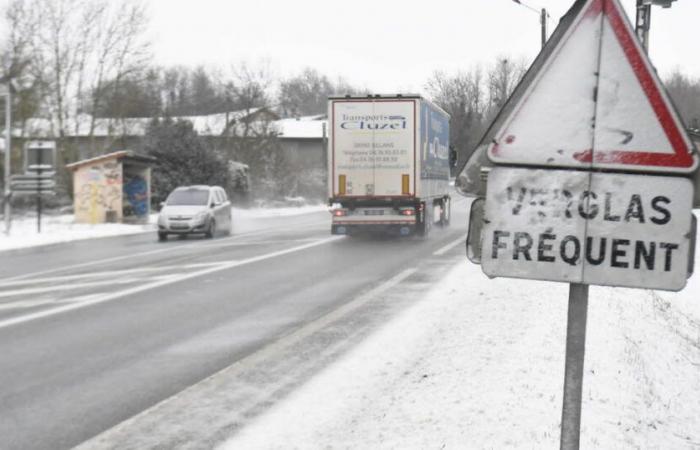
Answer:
(195, 210)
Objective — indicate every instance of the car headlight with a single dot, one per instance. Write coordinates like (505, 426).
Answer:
(201, 217)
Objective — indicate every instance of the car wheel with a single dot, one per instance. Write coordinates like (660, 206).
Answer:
(211, 230)
(162, 237)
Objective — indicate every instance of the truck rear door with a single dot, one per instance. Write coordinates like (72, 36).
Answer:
(373, 147)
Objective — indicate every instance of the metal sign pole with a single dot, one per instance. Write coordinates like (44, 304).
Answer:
(8, 157)
(38, 193)
(573, 375)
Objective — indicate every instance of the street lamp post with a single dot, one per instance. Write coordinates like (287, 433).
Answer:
(543, 19)
(644, 18)
(8, 151)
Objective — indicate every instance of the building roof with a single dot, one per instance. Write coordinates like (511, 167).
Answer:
(310, 127)
(234, 122)
(205, 125)
(122, 155)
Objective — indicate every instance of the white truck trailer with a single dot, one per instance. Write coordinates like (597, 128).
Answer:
(389, 164)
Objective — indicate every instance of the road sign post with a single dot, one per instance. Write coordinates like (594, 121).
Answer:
(573, 372)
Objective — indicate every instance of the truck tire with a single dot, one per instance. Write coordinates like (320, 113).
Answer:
(423, 227)
(446, 205)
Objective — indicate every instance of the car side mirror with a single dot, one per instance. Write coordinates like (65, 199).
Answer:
(162, 205)
(212, 205)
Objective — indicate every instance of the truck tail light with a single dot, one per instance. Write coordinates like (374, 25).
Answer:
(405, 184)
(341, 184)
(340, 212)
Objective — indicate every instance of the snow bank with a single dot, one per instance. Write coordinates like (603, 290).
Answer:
(479, 363)
(62, 228)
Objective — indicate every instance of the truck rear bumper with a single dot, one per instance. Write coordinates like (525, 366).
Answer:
(355, 227)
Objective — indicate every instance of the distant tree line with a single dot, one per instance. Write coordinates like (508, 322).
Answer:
(91, 60)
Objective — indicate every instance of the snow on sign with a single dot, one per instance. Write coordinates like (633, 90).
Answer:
(589, 228)
(596, 102)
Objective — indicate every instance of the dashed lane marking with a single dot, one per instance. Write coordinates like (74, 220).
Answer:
(147, 253)
(134, 290)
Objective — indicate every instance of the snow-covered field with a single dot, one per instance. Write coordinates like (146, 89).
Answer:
(62, 228)
(479, 363)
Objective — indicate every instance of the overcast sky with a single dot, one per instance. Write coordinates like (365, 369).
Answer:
(385, 45)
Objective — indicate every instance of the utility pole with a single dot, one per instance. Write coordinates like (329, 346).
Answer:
(643, 23)
(543, 22)
(8, 151)
(543, 19)
(644, 19)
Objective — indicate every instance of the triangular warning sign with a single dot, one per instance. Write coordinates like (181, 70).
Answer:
(596, 102)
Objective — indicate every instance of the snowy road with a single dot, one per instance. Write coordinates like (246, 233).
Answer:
(94, 332)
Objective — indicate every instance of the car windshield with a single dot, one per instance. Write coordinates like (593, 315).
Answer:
(188, 197)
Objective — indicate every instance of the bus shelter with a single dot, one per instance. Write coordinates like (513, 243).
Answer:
(115, 187)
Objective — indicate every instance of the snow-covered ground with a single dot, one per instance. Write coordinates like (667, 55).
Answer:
(479, 363)
(62, 228)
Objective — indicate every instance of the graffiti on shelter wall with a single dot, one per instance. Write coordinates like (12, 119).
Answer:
(97, 191)
(136, 195)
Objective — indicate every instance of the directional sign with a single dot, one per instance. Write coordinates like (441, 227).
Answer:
(40, 156)
(596, 102)
(44, 184)
(33, 176)
(590, 228)
(34, 192)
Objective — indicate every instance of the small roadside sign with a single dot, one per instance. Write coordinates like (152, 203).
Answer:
(32, 183)
(40, 156)
(596, 103)
(589, 228)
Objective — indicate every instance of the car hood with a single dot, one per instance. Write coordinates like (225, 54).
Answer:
(182, 210)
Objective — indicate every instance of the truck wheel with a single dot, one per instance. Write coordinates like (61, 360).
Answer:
(422, 229)
(446, 212)
(162, 237)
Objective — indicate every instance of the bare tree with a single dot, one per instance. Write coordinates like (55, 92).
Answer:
(685, 92)
(473, 100)
(503, 77)
(15, 61)
(73, 46)
(119, 50)
(250, 85)
(308, 92)
(462, 96)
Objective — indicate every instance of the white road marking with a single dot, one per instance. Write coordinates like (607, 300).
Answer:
(106, 273)
(150, 252)
(156, 284)
(66, 287)
(449, 246)
(275, 346)
(45, 301)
